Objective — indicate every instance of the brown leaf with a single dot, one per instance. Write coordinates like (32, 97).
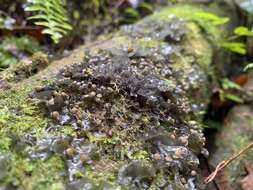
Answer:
(241, 79)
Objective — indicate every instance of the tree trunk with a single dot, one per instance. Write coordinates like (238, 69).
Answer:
(122, 113)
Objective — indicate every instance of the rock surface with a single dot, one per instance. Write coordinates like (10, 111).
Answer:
(127, 116)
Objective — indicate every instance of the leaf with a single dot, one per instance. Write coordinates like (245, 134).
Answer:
(248, 66)
(146, 6)
(35, 8)
(216, 20)
(236, 47)
(51, 14)
(243, 31)
(228, 84)
(233, 98)
(6, 59)
(132, 12)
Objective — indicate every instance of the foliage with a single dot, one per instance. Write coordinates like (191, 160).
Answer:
(132, 14)
(243, 31)
(230, 43)
(211, 22)
(50, 14)
(228, 84)
(6, 59)
(248, 66)
(214, 19)
(14, 48)
(234, 46)
(225, 91)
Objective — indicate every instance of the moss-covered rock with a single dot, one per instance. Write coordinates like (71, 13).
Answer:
(127, 116)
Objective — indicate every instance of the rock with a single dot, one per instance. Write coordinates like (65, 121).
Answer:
(136, 172)
(128, 100)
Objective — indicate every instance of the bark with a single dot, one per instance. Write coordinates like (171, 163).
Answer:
(122, 113)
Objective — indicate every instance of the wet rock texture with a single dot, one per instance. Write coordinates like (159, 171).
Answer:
(128, 115)
(130, 112)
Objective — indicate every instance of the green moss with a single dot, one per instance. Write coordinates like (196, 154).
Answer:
(120, 40)
(196, 42)
(102, 177)
(27, 67)
(189, 14)
(17, 118)
(39, 175)
(149, 43)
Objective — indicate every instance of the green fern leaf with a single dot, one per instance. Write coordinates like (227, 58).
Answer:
(51, 14)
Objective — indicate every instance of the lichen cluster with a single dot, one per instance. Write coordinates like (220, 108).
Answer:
(127, 109)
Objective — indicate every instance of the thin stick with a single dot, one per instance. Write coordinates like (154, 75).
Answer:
(224, 163)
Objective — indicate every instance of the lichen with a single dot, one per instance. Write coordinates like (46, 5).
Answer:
(122, 118)
(104, 98)
(189, 14)
(22, 123)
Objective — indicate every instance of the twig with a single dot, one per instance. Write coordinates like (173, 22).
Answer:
(224, 163)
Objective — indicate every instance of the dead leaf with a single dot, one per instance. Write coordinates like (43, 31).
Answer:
(241, 79)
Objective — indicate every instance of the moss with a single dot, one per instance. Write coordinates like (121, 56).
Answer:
(17, 114)
(149, 43)
(140, 155)
(39, 175)
(122, 144)
(196, 42)
(27, 67)
(199, 46)
(18, 118)
(189, 14)
(102, 177)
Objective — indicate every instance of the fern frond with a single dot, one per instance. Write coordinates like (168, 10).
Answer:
(51, 14)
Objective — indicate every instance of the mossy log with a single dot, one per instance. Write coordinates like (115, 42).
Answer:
(122, 113)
